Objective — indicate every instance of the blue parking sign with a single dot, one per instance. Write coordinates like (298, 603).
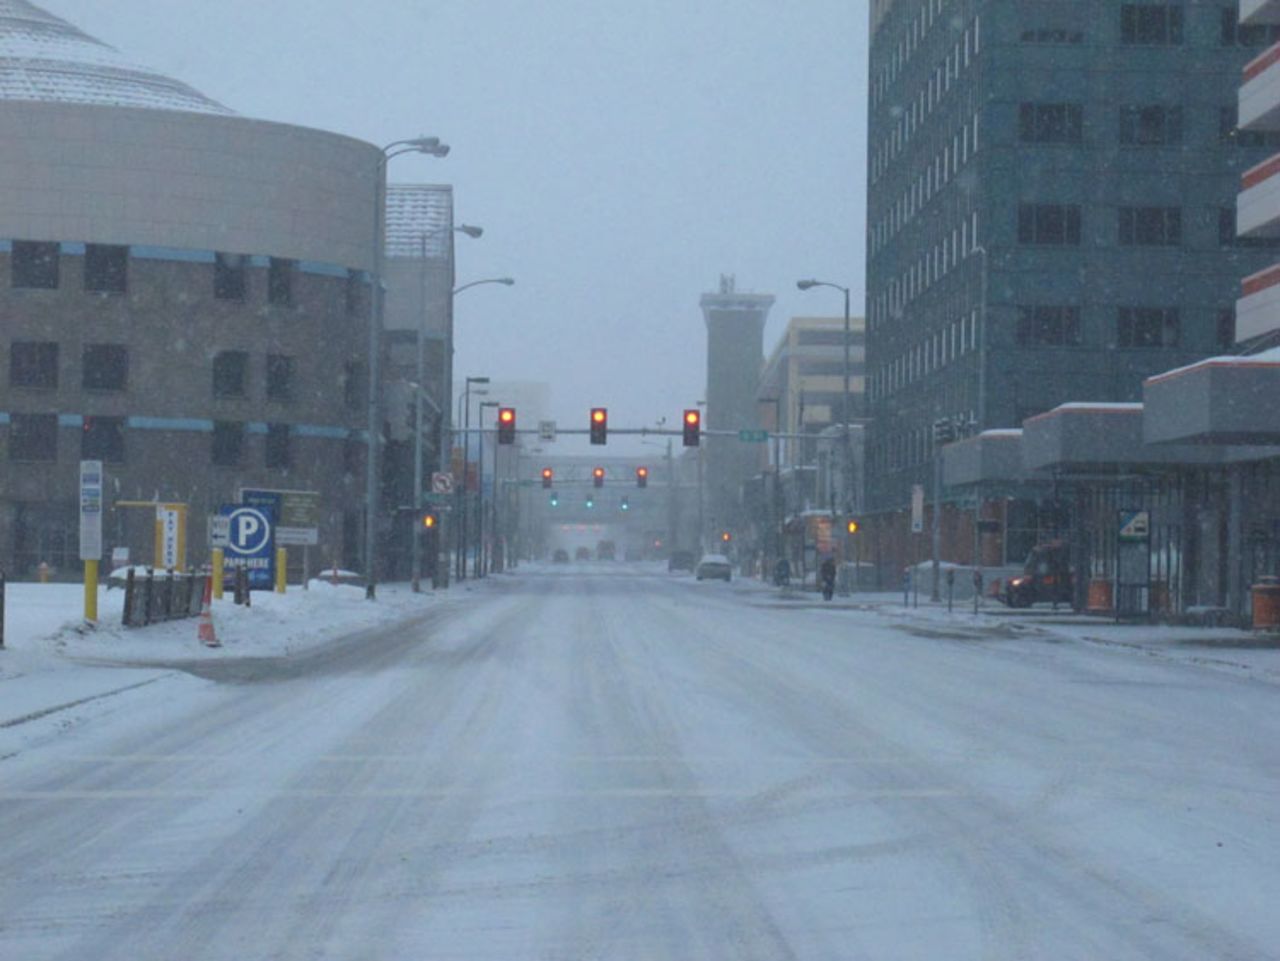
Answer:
(251, 542)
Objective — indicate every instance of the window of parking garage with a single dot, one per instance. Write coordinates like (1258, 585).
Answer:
(33, 437)
(102, 438)
(227, 449)
(33, 364)
(230, 276)
(230, 373)
(278, 451)
(279, 377)
(353, 293)
(104, 367)
(34, 265)
(1049, 225)
(352, 384)
(1151, 24)
(1148, 327)
(106, 268)
(1048, 326)
(280, 275)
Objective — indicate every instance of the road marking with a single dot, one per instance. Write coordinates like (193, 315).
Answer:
(110, 794)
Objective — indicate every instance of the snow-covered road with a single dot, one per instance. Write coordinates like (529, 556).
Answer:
(626, 765)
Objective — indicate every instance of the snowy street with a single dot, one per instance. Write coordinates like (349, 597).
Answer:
(611, 762)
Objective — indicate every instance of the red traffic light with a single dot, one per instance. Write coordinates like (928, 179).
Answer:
(726, 537)
(597, 477)
(642, 477)
(548, 475)
(506, 425)
(599, 425)
(692, 427)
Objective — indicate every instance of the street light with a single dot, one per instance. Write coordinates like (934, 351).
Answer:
(506, 281)
(432, 147)
(420, 368)
(466, 463)
(481, 554)
(848, 454)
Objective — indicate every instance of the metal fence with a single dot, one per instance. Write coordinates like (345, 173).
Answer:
(166, 596)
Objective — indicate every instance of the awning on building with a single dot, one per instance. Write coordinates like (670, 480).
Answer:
(1219, 401)
(1099, 438)
(994, 456)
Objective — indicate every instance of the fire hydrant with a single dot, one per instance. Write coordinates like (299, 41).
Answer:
(43, 572)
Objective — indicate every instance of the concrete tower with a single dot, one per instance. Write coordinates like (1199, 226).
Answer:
(735, 352)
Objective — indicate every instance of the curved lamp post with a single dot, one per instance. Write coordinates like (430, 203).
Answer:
(430, 146)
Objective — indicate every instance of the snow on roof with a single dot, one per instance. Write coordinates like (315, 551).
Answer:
(1003, 433)
(1264, 358)
(45, 59)
(418, 212)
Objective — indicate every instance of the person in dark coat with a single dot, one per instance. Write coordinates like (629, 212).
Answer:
(827, 575)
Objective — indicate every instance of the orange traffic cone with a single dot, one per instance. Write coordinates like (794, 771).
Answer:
(208, 637)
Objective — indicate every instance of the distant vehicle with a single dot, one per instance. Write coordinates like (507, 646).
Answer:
(714, 566)
(680, 561)
(1046, 577)
(582, 554)
(561, 556)
(606, 550)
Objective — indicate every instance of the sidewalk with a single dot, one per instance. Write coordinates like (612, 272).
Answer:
(1256, 654)
(52, 662)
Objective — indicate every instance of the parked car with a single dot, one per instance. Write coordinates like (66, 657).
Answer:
(1046, 576)
(680, 561)
(561, 556)
(714, 566)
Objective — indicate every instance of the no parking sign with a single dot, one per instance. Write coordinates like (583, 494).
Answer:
(251, 542)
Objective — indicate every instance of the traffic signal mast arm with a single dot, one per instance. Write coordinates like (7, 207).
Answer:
(637, 432)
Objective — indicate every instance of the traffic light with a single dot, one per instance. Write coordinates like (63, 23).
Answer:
(591, 502)
(555, 500)
(851, 526)
(597, 477)
(430, 521)
(506, 425)
(548, 475)
(599, 425)
(725, 537)
(692, 427)
(642, 477)
(625, 505)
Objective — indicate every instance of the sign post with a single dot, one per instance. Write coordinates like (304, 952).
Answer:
(91, 533)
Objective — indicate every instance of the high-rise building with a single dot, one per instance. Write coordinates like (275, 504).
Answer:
(1051, 209)
(735, 351)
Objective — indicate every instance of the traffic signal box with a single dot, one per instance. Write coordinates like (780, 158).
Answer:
(599, 425)
(642, 477)
(597, 477)
(430, 522)
(851, 527)
(548, 475)
(506, 425)
(692, 427)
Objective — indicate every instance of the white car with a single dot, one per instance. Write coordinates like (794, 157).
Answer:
(714, 566)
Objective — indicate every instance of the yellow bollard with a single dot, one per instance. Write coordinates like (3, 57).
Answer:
(282, 569)
(42, 572)
(216, 560)
(91, 592)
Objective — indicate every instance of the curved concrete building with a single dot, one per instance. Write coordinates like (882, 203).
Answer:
(183, 295)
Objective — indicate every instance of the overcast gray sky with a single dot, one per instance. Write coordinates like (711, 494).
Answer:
(619, 155)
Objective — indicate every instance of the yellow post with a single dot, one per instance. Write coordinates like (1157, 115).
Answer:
(218, 563)
(282, 569)
(91, 591)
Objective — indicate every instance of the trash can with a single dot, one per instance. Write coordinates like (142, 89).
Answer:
(1266, 604)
